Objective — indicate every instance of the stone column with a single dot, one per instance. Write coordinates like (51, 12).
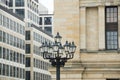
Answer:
(119, 27)
(82, 28)
(101, 27)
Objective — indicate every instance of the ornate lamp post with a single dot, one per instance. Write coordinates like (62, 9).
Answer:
(57, 53)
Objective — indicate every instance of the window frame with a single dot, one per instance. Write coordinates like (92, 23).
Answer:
(111, 26)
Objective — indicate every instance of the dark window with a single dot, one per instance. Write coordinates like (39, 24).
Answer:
(27, 62)
(27, 48)
(0, 52)
(19, 2)
(0, 35)
(113, 79)
(4, 53)
(48, 29)
(27, 75)
(18, 57)
(27, 35)
(111, 28)
(48, 20)
(40, 21)
(3, 69)
(4, 37)
(0, 68)
(36, 1)
(20, 12)
(10, 3)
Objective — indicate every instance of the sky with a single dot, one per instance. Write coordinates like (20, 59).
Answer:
(49, 4)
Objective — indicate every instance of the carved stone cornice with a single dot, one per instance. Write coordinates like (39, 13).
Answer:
(94, 3)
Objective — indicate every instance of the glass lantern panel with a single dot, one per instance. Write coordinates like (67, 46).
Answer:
(55, 48)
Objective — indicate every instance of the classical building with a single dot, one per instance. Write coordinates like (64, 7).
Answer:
(36, 66)
(12, 46)
(94, 26)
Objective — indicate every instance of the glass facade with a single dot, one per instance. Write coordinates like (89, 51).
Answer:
(41, 76)
(40, 22)
(19, 3)
(27, 35)
(40, 38)
(28, 61)
(12, 71)
(10, 55)
(40, 64)
(11, 24)
(28, 73)
(28, 49)
(12, 40)
(20, 12)
(48, 20)
(48, 29)
(10, 3)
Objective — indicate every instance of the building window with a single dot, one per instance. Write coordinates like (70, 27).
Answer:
(48, 20)
(10, 3)
(111, 28)
(48, 29)
(27, 62)
(27, 48)
(27, 35)
(27, 75)
(0, 35)
(113, 79)
(0, 52)
(20, 12)
(19, 2)
(40, 21)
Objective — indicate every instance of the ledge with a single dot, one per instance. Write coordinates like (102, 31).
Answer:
(99, 51)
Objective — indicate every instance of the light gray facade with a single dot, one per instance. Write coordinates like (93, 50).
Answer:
(36, 66)
(46, 22)
(12, 46)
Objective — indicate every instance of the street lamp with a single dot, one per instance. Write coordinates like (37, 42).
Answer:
(57, 53)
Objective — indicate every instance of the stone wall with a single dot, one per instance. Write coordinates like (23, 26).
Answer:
(83, 21)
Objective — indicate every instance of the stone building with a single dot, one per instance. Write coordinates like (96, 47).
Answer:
(94, 26)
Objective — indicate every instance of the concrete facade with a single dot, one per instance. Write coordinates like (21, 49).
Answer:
(46, 22)
(12, 45)
(36, 67)
(83, 21)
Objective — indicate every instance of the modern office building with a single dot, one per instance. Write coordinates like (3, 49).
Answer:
(94, 25)
(12, 45)
(42, 9)
(27, 9)
(46, 22)
(46, 19)
(4, 3)
(36, 66)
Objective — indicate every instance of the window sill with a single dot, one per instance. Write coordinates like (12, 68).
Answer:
(99, 51)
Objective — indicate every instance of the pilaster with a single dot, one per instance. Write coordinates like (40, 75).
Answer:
(118, 27)
(101, 27)
(83, 28)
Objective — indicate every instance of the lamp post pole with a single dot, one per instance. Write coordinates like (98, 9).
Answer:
(58, 69)
(57, 53)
